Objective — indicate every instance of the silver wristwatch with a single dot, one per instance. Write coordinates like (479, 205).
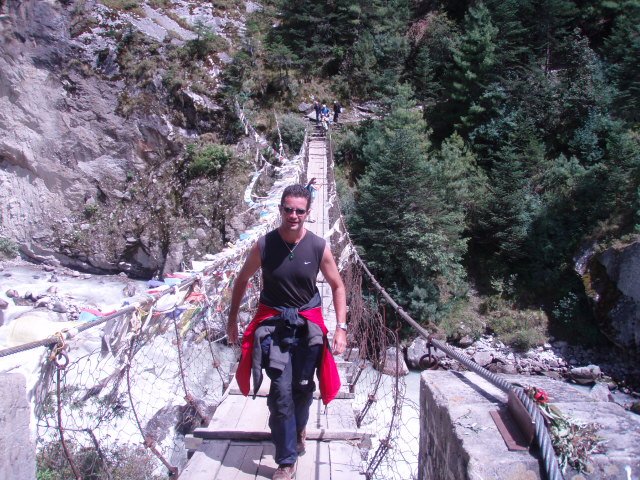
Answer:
(342, 326)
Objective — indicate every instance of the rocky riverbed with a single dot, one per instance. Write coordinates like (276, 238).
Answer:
(606, 373)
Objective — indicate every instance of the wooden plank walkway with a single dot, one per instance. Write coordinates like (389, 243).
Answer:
(235, 445)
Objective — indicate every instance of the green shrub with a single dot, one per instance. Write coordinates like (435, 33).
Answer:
(128, 5)
(462, 320)
(90, 210)
(8, 248)
(520, 329)
(208, 160)
(292, 129)
(116, 462)
(206, 42)
(524, 339)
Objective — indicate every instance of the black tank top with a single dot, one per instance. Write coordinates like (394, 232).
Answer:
(289, 282)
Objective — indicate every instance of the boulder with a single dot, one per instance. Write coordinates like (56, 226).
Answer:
(393, 363)
(585, 375)
(483, 358)
(600, 391)
(417, 350)
(612, 279)
(305, 107)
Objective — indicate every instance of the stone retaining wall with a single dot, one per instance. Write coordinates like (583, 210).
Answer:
(17, 451)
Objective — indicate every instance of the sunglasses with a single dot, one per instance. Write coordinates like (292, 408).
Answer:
(289, 210)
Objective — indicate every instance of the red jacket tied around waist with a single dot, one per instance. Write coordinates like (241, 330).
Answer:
(329, 379)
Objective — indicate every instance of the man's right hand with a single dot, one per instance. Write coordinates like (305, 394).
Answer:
(232, 331)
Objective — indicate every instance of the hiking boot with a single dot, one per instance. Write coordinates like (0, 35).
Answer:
(284, 472)
(302, 436)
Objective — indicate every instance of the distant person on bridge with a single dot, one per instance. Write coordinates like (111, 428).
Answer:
(317, 108)
(324, 117)
(288, 337)
(311, 186)
(337, 110)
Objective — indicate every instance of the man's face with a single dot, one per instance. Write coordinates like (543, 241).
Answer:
(294, 212)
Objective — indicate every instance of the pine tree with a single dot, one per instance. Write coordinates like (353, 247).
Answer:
(461, 183)
(411, 237)
(435, 36)
(474, 60)
(622, 50)
(514, 204)
(549, 23)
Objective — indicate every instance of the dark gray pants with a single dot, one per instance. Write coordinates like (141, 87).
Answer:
(290, 398)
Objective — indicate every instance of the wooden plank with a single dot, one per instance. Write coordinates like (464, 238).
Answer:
(340, 415)
(267, 463)
(206, 462)
(191, 442)
(255, 415)
(261, 435)
(229, 404)
(317, 418)
(239, 435)
(345, 461)
(240, 462)
(228, 413)
(263, 391)
(315, 463)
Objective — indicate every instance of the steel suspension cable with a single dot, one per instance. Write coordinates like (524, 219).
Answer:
(541, 433)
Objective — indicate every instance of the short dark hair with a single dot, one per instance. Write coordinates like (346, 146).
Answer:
(298, 191)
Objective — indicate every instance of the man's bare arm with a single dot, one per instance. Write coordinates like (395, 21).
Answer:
(251, 265)
(331, 274)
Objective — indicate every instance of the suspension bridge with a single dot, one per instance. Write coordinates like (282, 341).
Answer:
(147, 390)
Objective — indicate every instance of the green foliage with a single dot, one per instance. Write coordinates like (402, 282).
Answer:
(207, 160)
(519, 328)
(473, 68)
(90, 210)
(292, 129)
(8, 248)
(463, 183)
(363, 41)
(127, 5)
(513, 204)
(622, 50)
(411, 237)
(436, 37)
(206, 41)
(125, 462)
(462, 320)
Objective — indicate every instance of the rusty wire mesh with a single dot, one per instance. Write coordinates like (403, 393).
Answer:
(381, 408)
(124, 403)
(380, 404)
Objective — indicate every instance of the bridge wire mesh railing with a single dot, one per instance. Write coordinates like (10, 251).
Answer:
(115, 395)
(394, 458)
(380, 405)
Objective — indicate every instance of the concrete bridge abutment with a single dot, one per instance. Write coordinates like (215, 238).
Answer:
(17, 450)
(459, 440)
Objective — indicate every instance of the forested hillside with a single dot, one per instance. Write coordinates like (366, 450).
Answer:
(508, 142)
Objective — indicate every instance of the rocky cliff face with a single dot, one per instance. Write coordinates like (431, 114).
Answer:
(612, 281)
(92, 139)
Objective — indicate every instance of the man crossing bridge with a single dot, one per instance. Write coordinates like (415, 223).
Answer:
(288, 337)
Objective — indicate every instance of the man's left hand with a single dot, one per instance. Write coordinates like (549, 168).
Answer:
(339, 341)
